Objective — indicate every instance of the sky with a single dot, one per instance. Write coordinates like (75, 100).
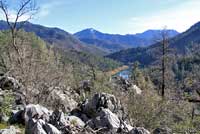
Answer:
(117, 16)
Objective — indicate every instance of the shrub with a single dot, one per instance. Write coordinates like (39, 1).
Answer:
(151, 111)
(6, 105)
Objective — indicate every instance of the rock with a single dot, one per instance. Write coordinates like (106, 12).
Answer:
(17, 116)
(90, 107)
(10, 130)
(58, 119)
(164, 130)
(63, 98)
(33, 112)
(41, 127)
(78, 113)
(106, 119)
(9, 83)
(121, 84)
(36, 128)
(139, 130)
(75, 121)
(36, 112)
(19, 98)
(50, 129)
(136, 89)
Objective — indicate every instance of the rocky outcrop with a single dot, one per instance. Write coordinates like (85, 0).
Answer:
(101, 100)
(35, 112)
(63, 98)
(38, 119)
(124, 85)
(41, 127)
(105, 119)
(102, 113)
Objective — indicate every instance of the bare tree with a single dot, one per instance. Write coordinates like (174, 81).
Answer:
(163, 40)
(26, 8)
(164, 43)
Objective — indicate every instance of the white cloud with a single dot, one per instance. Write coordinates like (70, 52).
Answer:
(179, 18)
(46, 8)
(12, 16)
(51, 6)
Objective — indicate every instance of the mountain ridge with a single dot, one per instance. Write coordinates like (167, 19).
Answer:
(55, 36)
(90, 35)
(146, 56)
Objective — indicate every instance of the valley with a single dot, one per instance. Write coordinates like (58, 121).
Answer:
(137, 74)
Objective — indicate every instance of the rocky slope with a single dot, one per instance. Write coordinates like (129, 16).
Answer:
(103, 113)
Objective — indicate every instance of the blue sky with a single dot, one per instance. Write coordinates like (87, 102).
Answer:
(118, 16)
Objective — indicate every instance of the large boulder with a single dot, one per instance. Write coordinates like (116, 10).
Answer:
(10, 130)
(63, 98)
(105, 119)
(35, 112)
(36, 128)
(101, 100)
(41, 127)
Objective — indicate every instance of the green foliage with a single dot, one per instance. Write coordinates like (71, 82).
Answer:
(151, 111)
(3, 125)
(187, 126)
(6, 106)
(140, 77)
(17, 126)
(102, 83)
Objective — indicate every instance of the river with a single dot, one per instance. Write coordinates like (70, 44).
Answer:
(124, 74)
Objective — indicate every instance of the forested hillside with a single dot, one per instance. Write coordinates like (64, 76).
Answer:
(55, 36)
(53, 83)
(116, 42)
(179, 45)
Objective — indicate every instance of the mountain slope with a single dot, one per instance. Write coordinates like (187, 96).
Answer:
(116, 42)
(146, 56)
(152, 34)
(128, 40)
(106, 46)
(56, 36)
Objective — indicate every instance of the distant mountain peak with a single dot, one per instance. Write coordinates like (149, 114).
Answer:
(130, 40)
(89, 30)
(92, 29)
